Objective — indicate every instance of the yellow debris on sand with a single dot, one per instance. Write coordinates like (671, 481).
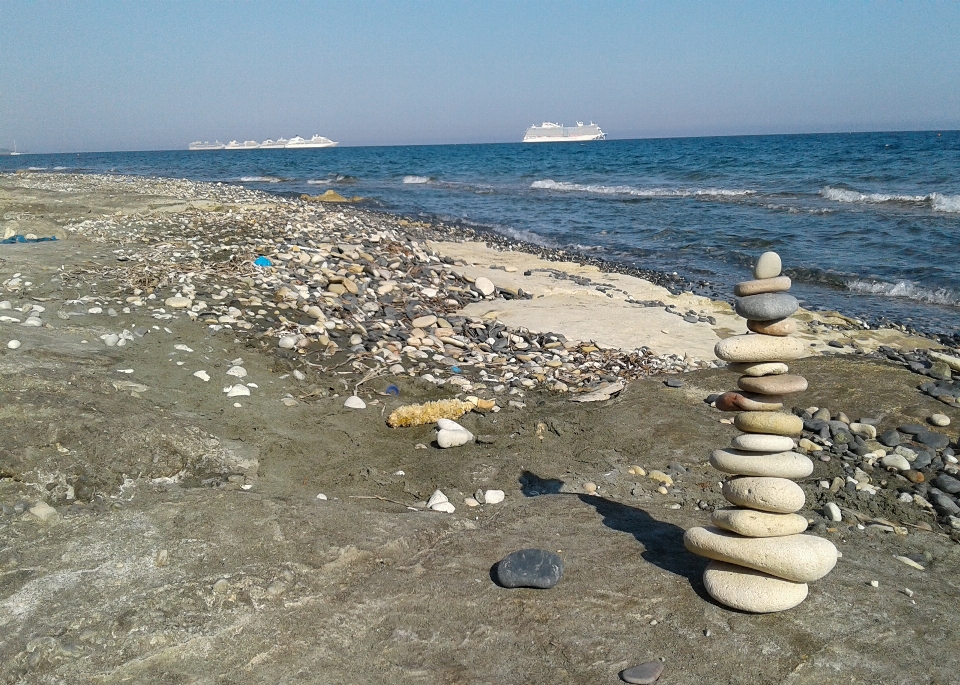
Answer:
(329, 196)
(422, 414)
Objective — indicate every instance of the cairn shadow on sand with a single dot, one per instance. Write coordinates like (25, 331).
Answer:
(662, 541)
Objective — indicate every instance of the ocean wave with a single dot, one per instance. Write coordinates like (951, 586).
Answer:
(59, 168)
(416, 179)
(937, 201)
(260, 179)
(905, 289)
(332, 178)
(36, 168)
(565, 186)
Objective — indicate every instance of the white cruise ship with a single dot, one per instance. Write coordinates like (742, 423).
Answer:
(204, 145)
(557, 133)
(245, 145)
(316, 141)
(269, 144)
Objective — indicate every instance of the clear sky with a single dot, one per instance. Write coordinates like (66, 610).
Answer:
(84, 76)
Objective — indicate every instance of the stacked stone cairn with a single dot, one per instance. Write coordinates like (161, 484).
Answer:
(760, 562)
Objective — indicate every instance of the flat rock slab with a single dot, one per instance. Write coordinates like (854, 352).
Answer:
(784, 384)
(536, 568)
(769, 422)
(778, 284)
(772, 464)
(766, 306)
(778, 327)
(758, 524)
(759, 348)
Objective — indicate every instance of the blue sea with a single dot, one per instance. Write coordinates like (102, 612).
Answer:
(866, 223)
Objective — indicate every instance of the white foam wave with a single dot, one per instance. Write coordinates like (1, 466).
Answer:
(937, 201)
(59, 168)
(905, 289)
(36, 168)
(319, 182)
(550, 184)
(945, 203)
(260, 179)
(416, 179)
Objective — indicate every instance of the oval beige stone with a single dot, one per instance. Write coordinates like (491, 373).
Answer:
(785, 384)
(758, 524)
(777, 495)
(761, 369)
(778, 284)
(745, 589)
(759, 442)
(800, 558)
(778, 327)
(759, 348)
(768, 266)
(768, 422)
(771, 464)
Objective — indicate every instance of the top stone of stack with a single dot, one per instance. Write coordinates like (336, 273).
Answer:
(767, 266)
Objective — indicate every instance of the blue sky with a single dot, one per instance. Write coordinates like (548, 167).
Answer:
(84, 76)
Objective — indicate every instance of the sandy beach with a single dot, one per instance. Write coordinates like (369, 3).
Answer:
(187, 499)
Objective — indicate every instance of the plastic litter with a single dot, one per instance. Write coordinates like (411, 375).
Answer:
(392, 390)
(456, 369)
(21, 239)
(262, 261)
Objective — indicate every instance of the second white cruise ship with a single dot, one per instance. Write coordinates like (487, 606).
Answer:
(557, 133)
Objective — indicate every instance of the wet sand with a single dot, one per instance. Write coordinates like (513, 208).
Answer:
(188, 543)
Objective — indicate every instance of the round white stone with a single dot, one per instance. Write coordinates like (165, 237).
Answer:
(453, 438)
(237, 371)
(13, 344)
(33, 322)
(777, 495)
(768, 266)
(177, 302)
(493, 496)
(485, 285)
(111, 340)
(763, 442)
(287, 342)
(354, 402)
(896, 461)
(749, 590)
(445, 507)
(832, 512)
(941, 420)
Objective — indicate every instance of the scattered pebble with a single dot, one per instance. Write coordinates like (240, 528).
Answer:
(644, 674)
(202, 375)
(536, 568)
(14, 344)
(354, 402)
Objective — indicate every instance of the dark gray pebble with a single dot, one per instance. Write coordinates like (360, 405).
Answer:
(932, 439)
(912, 428)
(890, 438)
(947, 484)
(674, 383)
(644, 674)
(535, 568)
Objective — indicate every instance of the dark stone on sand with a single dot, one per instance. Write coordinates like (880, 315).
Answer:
(644, 674)
(944, 504)
(536, 568)
(923, 459)
(932, 439)
(890, 438)
(947, 483)
(835, 343)
(912, 428)
(674, 383)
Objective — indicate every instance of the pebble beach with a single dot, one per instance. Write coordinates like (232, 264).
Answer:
(235, 356)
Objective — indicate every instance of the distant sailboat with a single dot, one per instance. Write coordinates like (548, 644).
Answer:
(15, 152)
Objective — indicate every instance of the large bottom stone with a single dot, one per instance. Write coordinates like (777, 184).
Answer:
(800, 558)
(749, 590)
(758, 524)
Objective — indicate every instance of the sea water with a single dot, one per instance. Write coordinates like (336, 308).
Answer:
(866, 223)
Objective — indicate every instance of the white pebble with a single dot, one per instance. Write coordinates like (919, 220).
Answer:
(874, 583)
(32, 321)
(237, 371)
(832, 511)
(13, 344)
(238, 390)
(453, 438)
(287, 342)
(321, 496)
(202, 375)
(445, 507)
(354, 402)
(437, 498)
(182, 348)
(941, 420)
(493, 496)
(299, 375)
(111, 340)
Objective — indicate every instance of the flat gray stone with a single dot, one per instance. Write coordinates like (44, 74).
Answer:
(536, 568)
(644, 674)
(766, 306)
